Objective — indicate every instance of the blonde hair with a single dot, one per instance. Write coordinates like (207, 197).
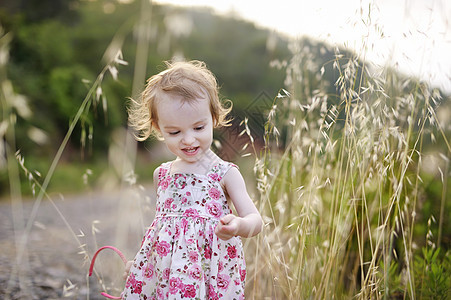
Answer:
(187, 79)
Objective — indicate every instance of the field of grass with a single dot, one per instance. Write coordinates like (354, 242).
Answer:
(342, 183)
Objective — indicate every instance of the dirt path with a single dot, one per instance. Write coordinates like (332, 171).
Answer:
(53, 267)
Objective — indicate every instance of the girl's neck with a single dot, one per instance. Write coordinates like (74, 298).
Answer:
(202, 166)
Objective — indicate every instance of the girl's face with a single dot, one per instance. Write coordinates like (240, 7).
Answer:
(186, 126)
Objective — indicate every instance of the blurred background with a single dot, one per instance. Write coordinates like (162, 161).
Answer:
(57, 49)
(68, 69)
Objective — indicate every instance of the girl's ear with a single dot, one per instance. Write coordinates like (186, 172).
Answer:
(155, 125)
(157, 128)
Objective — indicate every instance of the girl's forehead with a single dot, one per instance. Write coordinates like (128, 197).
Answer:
(174, 110)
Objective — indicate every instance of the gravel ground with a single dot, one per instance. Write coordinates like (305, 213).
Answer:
(52, 266)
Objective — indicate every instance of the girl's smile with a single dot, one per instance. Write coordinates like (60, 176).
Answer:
(191, 151)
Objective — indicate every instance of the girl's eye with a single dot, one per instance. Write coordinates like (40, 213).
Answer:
(174, 133)
(199, 128)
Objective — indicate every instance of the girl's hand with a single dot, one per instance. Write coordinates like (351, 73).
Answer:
(228, 227)
(128, 265)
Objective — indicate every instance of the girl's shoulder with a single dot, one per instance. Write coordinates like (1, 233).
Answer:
(165, 166)
(231, 177)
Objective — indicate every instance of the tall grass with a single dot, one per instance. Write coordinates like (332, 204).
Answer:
(14, 105)
(340, 182)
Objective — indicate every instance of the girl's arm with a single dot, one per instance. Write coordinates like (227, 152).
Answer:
(248, 223)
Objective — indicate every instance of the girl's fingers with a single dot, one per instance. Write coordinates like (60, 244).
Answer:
(227, 219)
(223, 231)
(227, 227)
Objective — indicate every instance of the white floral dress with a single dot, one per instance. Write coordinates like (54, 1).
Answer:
(181, 257)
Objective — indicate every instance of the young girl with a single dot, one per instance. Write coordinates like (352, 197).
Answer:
(192, 249)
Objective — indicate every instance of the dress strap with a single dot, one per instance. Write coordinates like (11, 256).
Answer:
(219, 170)
(164, 170)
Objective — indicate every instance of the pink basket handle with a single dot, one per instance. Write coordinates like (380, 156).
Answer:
(91, 267)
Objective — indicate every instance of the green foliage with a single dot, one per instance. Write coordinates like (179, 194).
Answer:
(38, 10)
(432, 274)
(64, 95)
(431, 271)
(392, 280)
(44, 45)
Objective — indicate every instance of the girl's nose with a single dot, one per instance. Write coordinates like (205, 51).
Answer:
(188, 139)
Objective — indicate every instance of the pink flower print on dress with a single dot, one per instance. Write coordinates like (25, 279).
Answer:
(231, 251)
(223, 281)
(168, 202)
(220, 266)
(177, 231)
(210, 235)
(184, 224)
(148, 271)
(214, 193)
(215, 177)
(160, 294)
(191, 212)
(243, 274)
(214, 209)
(164, 184)
(166, 273)
(163, 248)
(136, 285)
(180, 181)
(212, 295)
(175, 284)
(137, 289)
(193, 256)
(207, 252)
(189, 291)
(131, 280)
(195, 272)
(162, 173)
